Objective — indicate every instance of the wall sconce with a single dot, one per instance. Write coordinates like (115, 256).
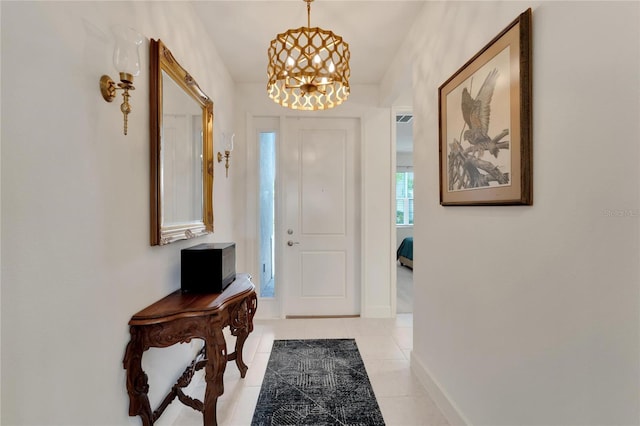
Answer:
(126, 59)
(228, 147)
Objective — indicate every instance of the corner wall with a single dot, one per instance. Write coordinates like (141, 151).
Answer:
(76, 261)
(530, 315)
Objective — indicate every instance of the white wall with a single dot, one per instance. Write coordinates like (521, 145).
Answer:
(0, 230)
(376, 177)
(76, 261)
(529, 315)
(404, 161)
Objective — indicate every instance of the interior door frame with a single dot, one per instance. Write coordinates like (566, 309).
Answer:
(274, 308)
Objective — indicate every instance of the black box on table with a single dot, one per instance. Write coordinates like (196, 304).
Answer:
(207, 268)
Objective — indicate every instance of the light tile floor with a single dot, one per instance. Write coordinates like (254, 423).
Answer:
(384, 344)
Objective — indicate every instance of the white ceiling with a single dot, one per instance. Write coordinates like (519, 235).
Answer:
(242, 31)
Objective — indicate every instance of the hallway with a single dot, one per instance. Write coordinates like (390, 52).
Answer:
(384, 344)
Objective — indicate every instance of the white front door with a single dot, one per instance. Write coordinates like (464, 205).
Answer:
(321, 232)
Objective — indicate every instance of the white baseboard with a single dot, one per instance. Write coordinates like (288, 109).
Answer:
(383, 311)
(449, 409)
(268, 308)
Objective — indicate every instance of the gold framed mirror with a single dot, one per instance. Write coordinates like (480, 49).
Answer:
(181, 151)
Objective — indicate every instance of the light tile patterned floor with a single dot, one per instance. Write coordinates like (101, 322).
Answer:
(385, 345)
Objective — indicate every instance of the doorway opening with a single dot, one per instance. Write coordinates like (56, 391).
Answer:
(404, 212)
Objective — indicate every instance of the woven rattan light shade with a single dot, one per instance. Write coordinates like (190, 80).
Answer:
(308, 68)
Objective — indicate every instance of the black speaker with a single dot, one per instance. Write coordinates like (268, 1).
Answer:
(207, 268)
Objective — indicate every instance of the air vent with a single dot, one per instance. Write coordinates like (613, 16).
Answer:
(406, 118)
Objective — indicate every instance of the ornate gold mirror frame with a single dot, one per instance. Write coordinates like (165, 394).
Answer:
(171, 179)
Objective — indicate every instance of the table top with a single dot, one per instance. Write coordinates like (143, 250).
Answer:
(184, 305)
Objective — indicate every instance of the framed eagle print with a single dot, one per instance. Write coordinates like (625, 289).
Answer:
(485, 124)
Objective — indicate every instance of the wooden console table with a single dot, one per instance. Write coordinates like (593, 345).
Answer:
(178, 318)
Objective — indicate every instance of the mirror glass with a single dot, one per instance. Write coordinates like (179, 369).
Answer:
(181, 155)
(181, 152)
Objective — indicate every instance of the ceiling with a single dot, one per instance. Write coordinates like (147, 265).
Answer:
(242, 31)
(404, 133)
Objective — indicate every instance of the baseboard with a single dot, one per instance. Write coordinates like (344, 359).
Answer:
(449, 409)
(268, 308)
(383, 311)
(320, 316)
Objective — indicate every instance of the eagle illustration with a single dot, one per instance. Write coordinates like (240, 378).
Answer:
(476, 113)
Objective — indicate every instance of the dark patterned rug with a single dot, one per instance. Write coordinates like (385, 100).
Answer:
(316, 382)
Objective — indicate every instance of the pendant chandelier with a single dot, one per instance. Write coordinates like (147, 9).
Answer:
(308, 68)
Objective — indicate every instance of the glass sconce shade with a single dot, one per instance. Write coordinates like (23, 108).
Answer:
(228, 141)
(126, 55)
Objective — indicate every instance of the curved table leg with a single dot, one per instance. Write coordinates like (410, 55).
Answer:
(216, 349)
(241, 324)
(240, 329)
(137, 381)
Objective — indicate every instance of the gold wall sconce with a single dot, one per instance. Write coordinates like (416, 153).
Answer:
(228, 147)
(126, 59)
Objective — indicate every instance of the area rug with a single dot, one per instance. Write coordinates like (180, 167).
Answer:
(316, 382)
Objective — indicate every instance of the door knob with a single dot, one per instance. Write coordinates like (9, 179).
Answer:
(291, 243)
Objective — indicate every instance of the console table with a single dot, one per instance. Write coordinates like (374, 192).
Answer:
(178, 318)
